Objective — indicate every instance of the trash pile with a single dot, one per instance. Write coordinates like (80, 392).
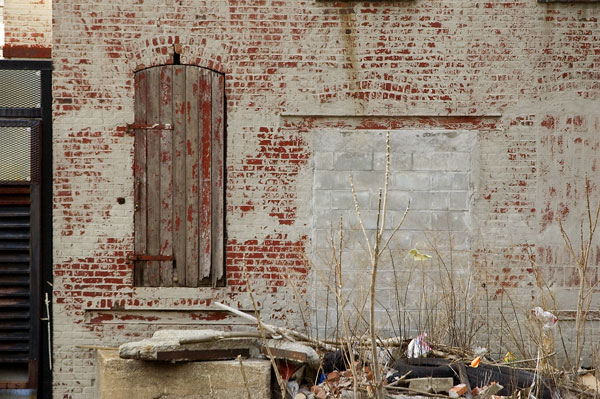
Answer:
(306, 368)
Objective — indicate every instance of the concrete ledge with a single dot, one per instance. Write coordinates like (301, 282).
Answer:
(126, 378)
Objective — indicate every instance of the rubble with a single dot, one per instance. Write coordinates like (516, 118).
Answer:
(590, 381)
(435, 385)
(209, 345)
(488, 391)
(458, 390)
(119, 378)
(336, 373)
(293, 351)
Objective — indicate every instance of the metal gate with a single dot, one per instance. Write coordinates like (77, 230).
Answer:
(21, 120)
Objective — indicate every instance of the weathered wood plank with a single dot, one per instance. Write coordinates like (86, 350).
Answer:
(139, 174)
(152, 99)
(191, 175)
(166, 176)
(152, 274)
(178, 164)
(166, 95)
(202, 354)
(205, 174)
(287, 354)
(140, 203)
(141, 96)
(166, 207)
(218, 177)
(151, 257)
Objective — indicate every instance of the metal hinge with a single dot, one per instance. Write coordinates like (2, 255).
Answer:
(151, 258)
(131, 127)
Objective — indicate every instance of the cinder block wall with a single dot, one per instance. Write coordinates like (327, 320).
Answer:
(312, 87)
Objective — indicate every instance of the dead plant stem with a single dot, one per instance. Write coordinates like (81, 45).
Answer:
(239, 358)
(261, 328)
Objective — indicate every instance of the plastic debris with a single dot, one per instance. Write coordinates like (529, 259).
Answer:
(509, 357)
(293, 388)
(418, 347)
(480, 350)
(547, 319)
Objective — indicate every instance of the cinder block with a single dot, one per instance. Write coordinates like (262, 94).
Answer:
(396, 200)
(450, 181)
(453, 221)
(429, 384)
(322, 199)
(333, 180)
(431, 161)
(420, 200)
(368, 180)
(345, 199)
(119, 378)
(449, 200)
(323, 160)
(416, 220)
(352, 161)
(411, 181)
(459, 161)
(398, 161)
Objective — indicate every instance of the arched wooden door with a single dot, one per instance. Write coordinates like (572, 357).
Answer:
(179, 176)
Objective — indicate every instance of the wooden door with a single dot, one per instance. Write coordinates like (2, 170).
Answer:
(179, 176)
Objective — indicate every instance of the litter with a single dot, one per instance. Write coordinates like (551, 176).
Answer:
(418, 347)
(312, 369)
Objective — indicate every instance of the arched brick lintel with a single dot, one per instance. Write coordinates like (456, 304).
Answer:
(202, 52)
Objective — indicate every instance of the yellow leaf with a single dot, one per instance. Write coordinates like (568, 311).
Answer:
(416, 255)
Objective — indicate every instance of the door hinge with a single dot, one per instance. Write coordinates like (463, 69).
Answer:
(151, 258)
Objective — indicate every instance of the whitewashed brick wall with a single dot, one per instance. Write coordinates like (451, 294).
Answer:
(520, 76)
(28, 23)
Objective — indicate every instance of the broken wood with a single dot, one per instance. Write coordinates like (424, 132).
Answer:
(278, 332)
(487, 392)
(464, 378)
(284, 354)
(217, 336)
(202, 354)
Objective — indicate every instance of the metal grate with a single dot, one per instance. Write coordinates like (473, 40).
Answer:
(14, 274)
(20, 88)
(15, 154)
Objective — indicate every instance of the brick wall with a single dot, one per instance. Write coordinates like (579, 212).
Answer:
(1, 26)
(28, 28)
(311, 88)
